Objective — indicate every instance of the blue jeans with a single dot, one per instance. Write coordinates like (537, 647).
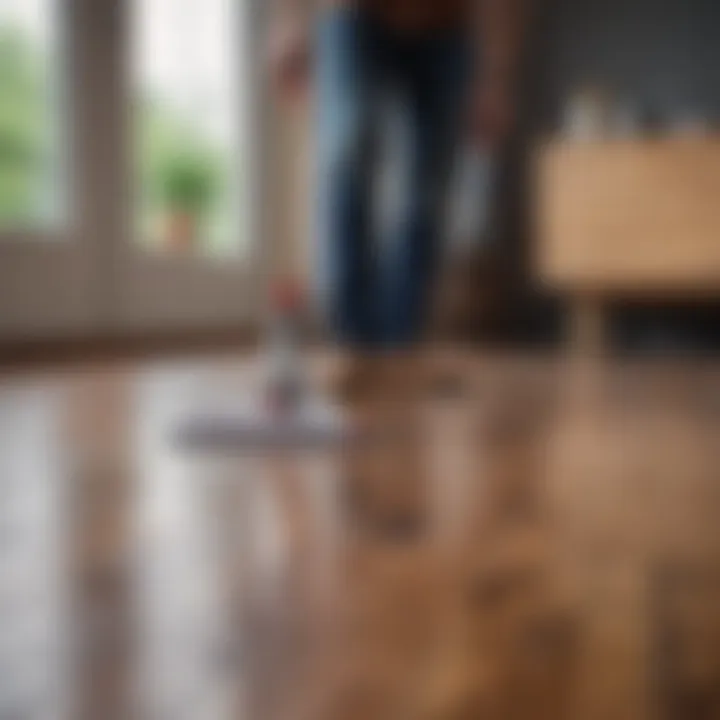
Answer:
(378, 292)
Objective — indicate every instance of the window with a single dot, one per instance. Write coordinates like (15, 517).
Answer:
(188, 126)
(30, 187)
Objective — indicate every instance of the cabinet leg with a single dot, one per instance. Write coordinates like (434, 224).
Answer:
(587, 326)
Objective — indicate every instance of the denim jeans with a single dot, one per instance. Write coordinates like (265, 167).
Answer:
(377, 292)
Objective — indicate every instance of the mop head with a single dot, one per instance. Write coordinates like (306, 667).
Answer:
(255, 426)
(286, 411)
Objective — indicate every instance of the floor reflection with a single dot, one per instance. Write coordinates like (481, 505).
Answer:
(542, 543)
(36, 620)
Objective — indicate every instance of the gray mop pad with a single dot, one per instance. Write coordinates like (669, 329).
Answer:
(252, 426)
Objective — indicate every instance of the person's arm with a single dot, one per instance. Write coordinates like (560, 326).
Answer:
(295, 9)
(500, 37)
(289, 53)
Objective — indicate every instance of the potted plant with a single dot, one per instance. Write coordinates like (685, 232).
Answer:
(188, 181)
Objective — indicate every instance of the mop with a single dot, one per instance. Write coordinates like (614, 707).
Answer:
(285, 410)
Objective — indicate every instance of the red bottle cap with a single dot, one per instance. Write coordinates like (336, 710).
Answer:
(287, 295)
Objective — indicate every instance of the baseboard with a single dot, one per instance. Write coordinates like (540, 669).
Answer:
(129, 345)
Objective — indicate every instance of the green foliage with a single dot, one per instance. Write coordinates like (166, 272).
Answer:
(179, 169)
(23, 126)
(188, 181)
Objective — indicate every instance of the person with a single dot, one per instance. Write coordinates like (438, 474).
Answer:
(449, 65)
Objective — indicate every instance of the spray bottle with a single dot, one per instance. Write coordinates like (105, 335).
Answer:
(286, 382)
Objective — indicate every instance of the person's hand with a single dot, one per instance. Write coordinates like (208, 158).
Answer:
(289, 57)
(491, 114)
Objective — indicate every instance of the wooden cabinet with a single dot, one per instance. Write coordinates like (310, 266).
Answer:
(624, 218)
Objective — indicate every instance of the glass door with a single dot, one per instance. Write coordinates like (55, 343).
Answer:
(186, 258)
(45, 259)
(130, 159)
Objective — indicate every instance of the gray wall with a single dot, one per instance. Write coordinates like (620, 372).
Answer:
(661, 55)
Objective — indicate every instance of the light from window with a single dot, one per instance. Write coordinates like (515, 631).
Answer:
(30, 147)
(188, 125)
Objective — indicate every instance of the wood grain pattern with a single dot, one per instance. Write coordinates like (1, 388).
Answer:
(543, 544)
(629, 216)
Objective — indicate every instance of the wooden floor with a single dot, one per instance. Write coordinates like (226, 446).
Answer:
(544, 542)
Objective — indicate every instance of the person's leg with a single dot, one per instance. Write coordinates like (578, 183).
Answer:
(348, 56)
(436, 76)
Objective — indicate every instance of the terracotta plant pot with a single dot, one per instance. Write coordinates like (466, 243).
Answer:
(180, 231)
